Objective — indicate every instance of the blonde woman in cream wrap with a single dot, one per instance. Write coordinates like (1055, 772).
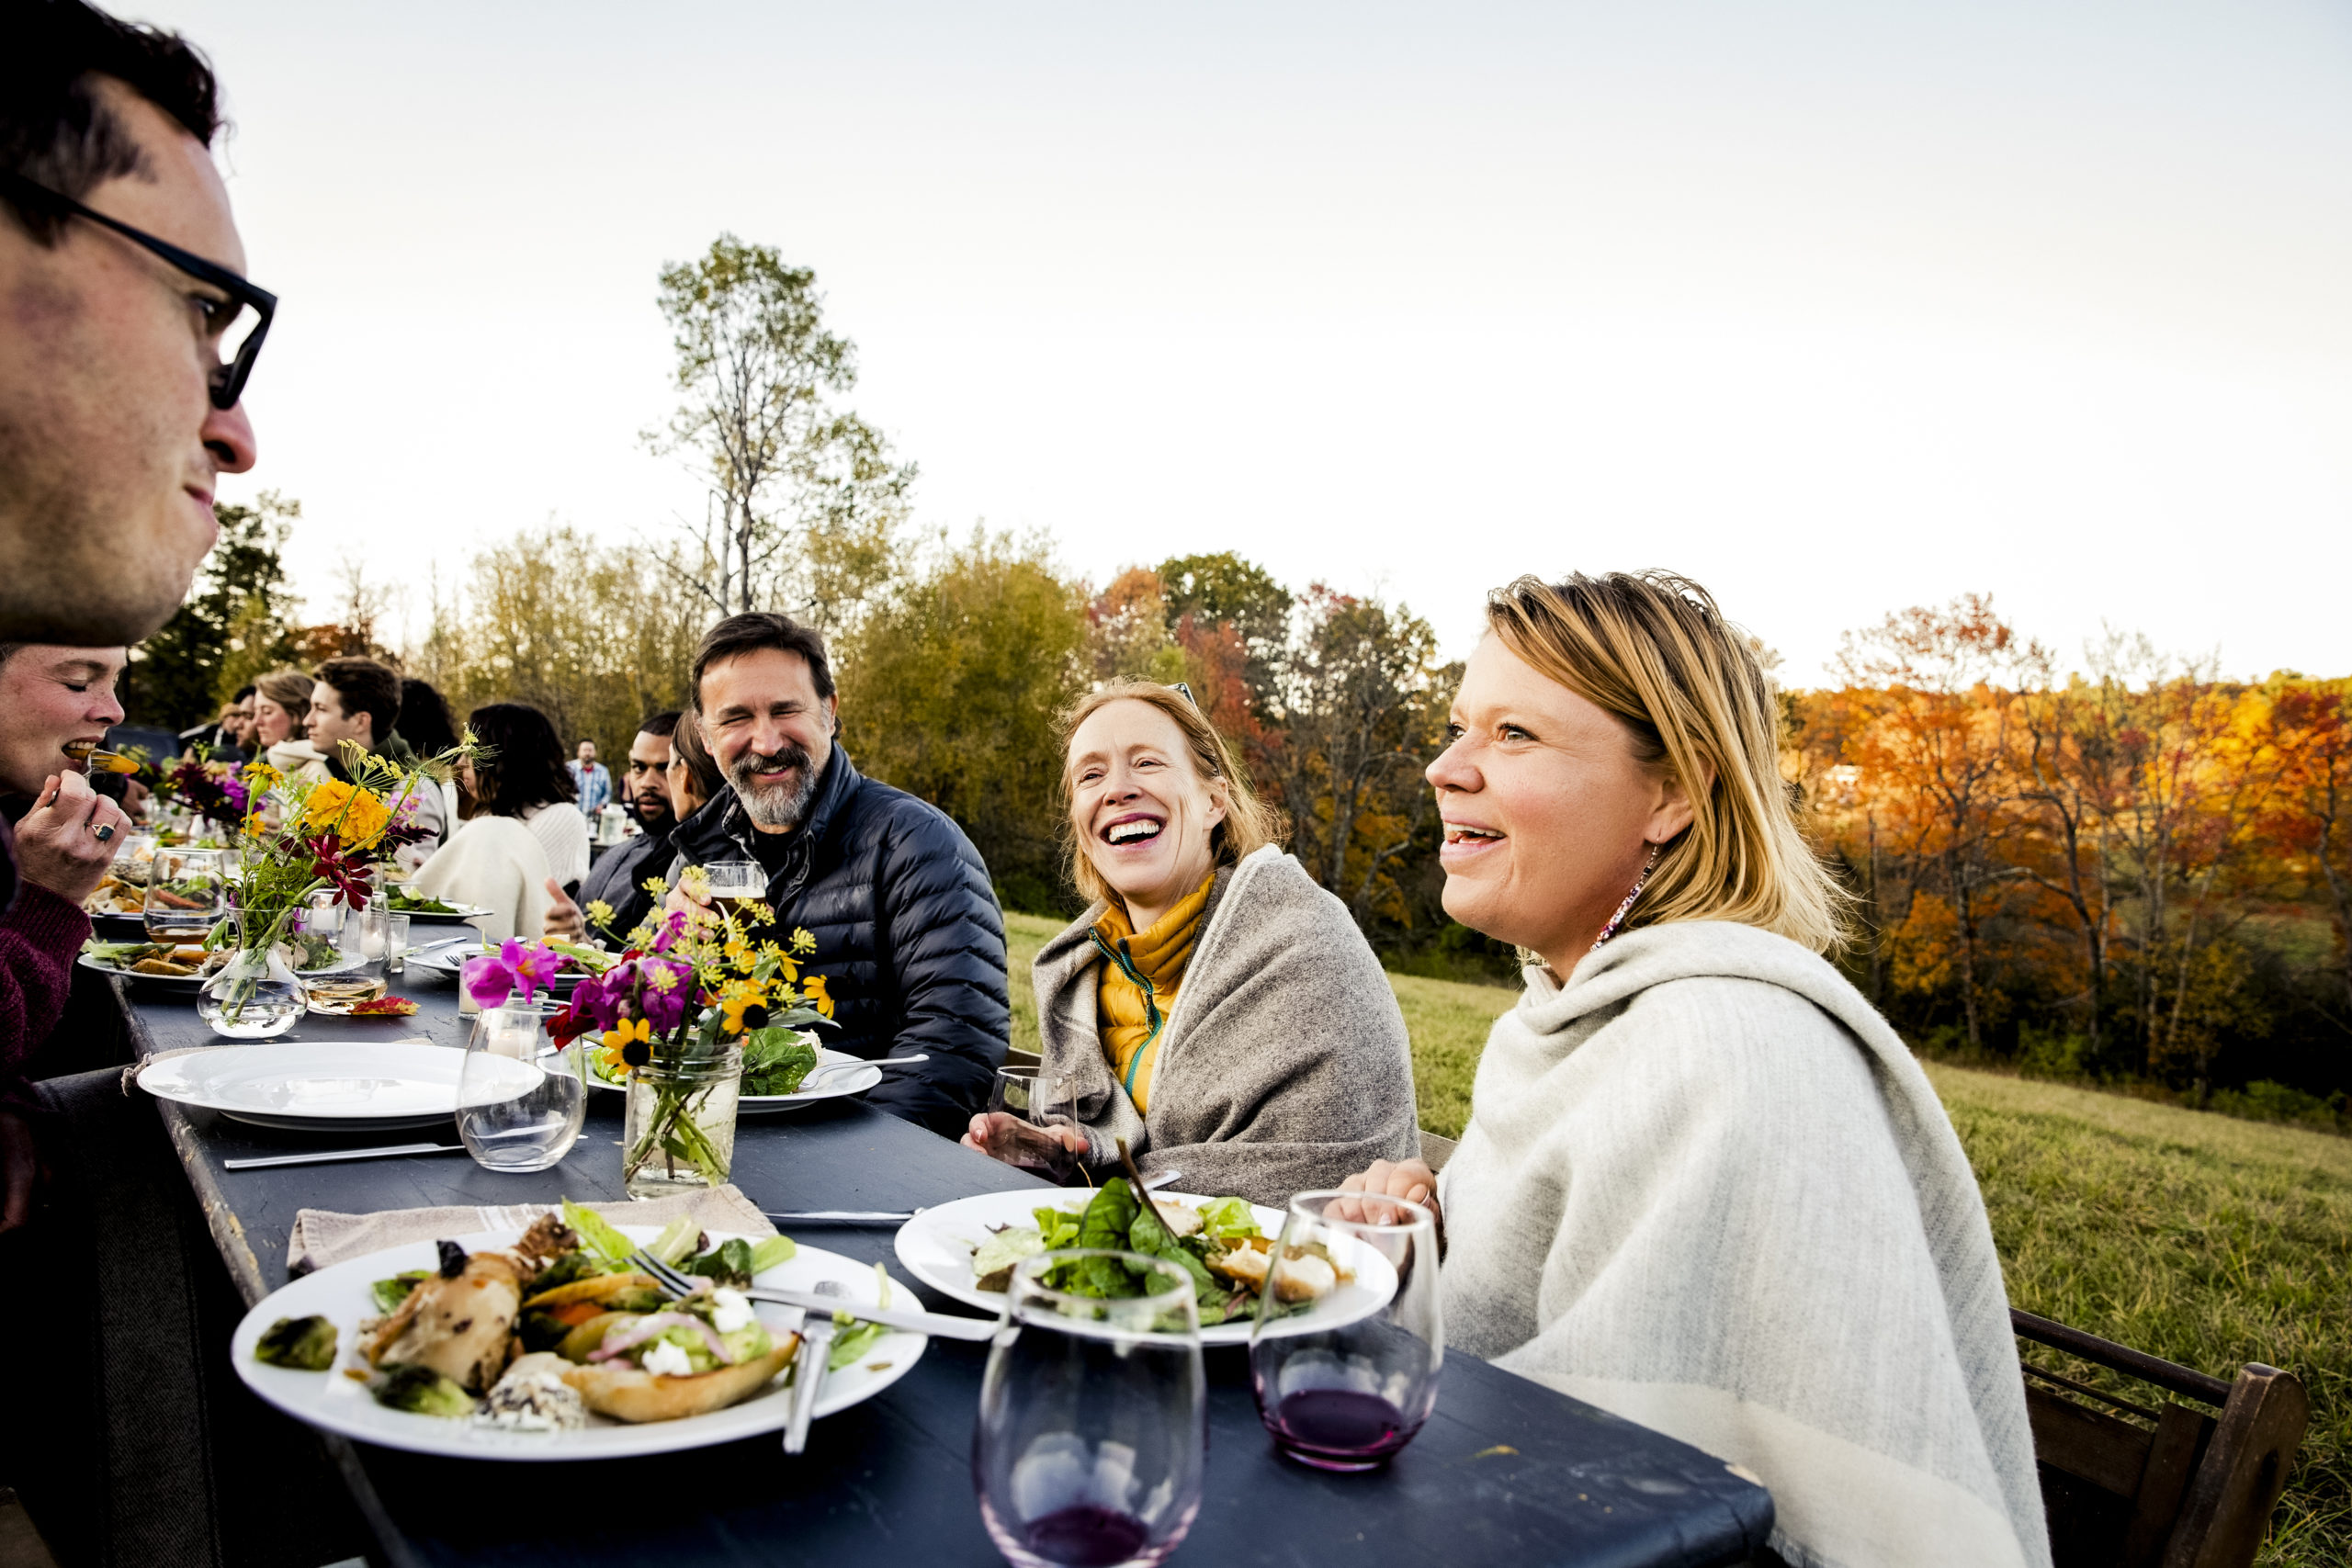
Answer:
(1213, 1006)
(1704, 1186)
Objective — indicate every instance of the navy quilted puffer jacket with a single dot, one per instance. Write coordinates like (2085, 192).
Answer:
(908, 937)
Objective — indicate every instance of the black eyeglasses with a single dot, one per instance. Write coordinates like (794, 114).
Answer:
(229, 378)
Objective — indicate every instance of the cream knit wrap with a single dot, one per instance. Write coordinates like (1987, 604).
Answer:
(1705, 1187)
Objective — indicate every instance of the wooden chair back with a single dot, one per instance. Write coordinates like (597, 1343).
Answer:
(2125, 1486)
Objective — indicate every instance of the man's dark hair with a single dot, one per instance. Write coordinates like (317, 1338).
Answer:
(660, 726)
(242, 693)
(424, 721)
(525, 765)
(54, 129)
(750, 632)
(362, 686)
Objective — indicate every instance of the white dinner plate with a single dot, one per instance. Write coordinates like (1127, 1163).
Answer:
(192, 984)
(334, 1403)
(834, 1085)
(936, 1246)
(318, 1086)
(448, 957)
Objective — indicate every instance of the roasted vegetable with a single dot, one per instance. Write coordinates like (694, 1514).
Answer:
(389, 1294)
(459, 1323)
(420, 1390)
(304, 1344)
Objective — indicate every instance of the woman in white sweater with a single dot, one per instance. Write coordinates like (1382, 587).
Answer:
(521, 832)
(1704, 1186)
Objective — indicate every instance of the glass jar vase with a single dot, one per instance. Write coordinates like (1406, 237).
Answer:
(254, 995)
(678, 1133)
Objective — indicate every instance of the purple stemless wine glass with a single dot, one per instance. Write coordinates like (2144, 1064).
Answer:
(1345, 1353)
(1093, 1426)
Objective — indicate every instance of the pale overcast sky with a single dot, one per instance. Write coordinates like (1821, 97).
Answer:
(1835, 307)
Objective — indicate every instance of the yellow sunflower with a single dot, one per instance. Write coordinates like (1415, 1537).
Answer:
(738, 998)
(637, 1031)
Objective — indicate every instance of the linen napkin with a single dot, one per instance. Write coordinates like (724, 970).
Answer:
(322, 1236)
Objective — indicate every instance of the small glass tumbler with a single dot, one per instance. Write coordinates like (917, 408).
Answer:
(1349, 1396)
(324, 917)
(395, 944)
(678, 1126)
(186, 894)
(1093, 1435)
(521, 1098)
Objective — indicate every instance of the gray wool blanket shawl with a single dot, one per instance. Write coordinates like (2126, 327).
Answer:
(1704, 1186)
(1283, 1065)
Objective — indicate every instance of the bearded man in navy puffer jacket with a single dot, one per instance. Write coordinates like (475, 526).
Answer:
(909, 940)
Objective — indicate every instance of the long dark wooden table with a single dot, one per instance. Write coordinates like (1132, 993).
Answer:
(1507, 1472)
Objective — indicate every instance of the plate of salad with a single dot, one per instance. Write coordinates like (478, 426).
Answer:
(967, 1249)
(776, 1062)
(544, 1343)
(423, 911)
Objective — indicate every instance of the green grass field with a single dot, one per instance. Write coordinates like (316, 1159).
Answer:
(2206, 1240)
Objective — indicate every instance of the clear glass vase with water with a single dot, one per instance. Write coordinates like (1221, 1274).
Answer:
(253, 996)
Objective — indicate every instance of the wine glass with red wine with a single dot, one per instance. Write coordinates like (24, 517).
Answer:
(1347, 1397)
(1093, 1428)
(1037, 1102)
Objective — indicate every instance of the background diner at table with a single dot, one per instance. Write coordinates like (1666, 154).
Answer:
(618, 881)
(1213, 1008)
(517, 832)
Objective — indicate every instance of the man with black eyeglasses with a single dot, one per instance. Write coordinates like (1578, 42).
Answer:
(127, 332)
(130, 331)
(130, 326)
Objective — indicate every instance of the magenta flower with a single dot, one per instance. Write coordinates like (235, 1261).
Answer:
(522, 966)
(666, 989)
(671, 927)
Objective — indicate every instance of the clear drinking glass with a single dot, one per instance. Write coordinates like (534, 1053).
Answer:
(186, 894)
(1349, 1396)
(520, 1097)
(395, 944)
(1093, 1426)
(1039, 1102)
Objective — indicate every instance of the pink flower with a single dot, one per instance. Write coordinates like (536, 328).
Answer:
(491, 979)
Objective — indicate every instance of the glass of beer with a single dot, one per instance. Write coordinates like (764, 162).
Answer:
(738, 883)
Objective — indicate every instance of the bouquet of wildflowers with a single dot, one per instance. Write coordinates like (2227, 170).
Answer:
(688, 988)
(319, 834)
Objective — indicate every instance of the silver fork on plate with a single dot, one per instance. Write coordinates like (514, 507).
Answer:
(914, 1321)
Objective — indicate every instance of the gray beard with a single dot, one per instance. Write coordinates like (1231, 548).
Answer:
(777, 806)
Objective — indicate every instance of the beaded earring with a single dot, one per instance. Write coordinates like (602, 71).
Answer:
(1624, 908)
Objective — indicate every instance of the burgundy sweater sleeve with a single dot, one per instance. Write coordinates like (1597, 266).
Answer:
(38, 938)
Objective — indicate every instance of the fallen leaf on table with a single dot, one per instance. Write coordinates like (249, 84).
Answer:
(385, 1007)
